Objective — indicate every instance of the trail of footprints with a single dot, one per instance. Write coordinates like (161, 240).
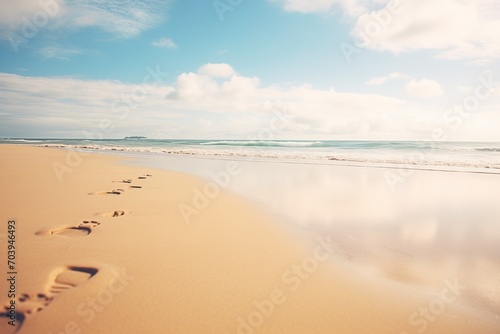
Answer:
(68, 277)
(120, 191)
(87, 226)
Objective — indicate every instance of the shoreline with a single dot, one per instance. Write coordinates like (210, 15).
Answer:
(328, 160)
(232, 270)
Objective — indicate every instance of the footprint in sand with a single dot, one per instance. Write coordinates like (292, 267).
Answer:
(135, 187)
(144, 177)
(83, 229)
(124, 181)
(28, 305)
(71, 277)
(112, 192)
(112, 214)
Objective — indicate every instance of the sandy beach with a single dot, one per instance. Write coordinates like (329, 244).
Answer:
(249, 167)
(102, 247)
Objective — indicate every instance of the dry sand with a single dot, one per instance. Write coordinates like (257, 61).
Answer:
(96, 255)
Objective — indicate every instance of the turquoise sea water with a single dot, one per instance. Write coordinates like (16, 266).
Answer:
(451, 154)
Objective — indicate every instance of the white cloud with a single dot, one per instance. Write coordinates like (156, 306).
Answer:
(418, 88)
(203, 90)
(205, 105)
(350, 7)
(465, 89)
(220, 70)
(205, 122)
(53, 106)
(122, 18)
(165, 43)
(12, 13)
(57, 52)
(392, 76)
(424, 88)
(457, 29)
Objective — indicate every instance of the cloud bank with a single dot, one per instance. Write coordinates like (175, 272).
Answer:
(217, 101)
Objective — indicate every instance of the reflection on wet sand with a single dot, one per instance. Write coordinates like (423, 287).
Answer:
(434, 226)
(431, 227)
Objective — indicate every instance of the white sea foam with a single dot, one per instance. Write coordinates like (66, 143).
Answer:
(372, 158)
(263, 143)
(21, 140)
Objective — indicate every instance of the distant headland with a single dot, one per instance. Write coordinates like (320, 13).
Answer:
(135, 138)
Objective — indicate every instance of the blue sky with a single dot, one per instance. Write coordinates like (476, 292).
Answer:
(331, 69)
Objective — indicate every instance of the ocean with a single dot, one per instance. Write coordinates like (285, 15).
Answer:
(406, 154)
